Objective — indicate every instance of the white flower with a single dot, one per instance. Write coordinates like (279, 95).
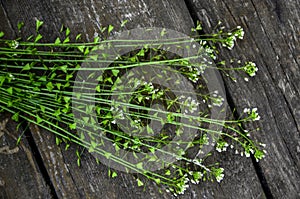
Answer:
(250, 68)
(263, 145)
(254, 115)
(220, 177)
(246, 110)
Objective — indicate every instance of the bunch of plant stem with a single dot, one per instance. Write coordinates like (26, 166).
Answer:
(37, 82)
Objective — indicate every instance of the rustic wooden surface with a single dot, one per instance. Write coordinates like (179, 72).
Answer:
(20, 176)
(272, 41)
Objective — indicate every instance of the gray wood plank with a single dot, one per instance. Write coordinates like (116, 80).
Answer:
(272, 41)
(90, 180)
(20, 176)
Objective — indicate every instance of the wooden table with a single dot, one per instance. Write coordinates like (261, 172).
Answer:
(38, 168)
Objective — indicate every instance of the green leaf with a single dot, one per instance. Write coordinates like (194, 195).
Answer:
(64, 68)
(163, 32)
(67, 99)
(85, 119)
(91, 149)
(78, 162)
(57, 41)
(78, 37)
(94, 57)
(38, 119)
(26, 67)
(98, 88)
(87, 50)
(72, 126)
(20, 25)
(58, 85)
(38, 37)
(1, 34)
(124, 23)
(50, 86)
(30, 37)
(58, 140)
(43, 109)
(168, 172)
(139, 182)
(19, 140)
(61, 28)
(38, 24)
(15, 117)
(81, 48)
(139, 165)
(68, 77)
(150, 130)
(108, 79)
(107, 155)
(110, 28)
(66, 40)
(2, 79)
(141, 53)
(199, 26)
(157, 180)
(43, 78)
(96, 40)
(115, 72)
(9, 104)
(114, 174)
(10, 90)
(68, 32)
(67, 146)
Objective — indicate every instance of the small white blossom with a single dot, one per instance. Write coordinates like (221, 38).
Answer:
(263, 145)
(250, 68)
(246, 110)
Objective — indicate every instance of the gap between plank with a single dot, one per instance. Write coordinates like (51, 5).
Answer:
(39, 160)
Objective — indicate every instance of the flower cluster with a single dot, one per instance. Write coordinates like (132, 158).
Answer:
(218, 173)
(195, 72)
(252, 113)
(217, 100)
(232, 37)
(222, 146)
(250, 68)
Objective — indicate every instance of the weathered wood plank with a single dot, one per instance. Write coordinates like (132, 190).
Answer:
(272, 41)
(20, 176)
(90, 180)
(86, 17)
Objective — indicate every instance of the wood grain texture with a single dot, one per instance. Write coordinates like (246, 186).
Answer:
(20, 176)
(87, 17)
(272, 41)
